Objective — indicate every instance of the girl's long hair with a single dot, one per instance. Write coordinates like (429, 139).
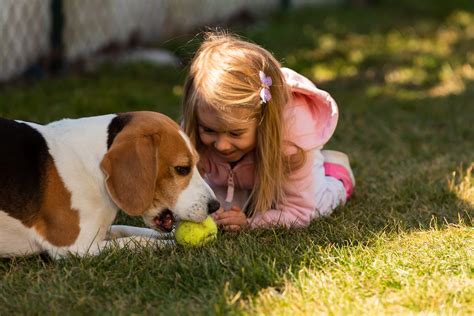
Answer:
(224, 75)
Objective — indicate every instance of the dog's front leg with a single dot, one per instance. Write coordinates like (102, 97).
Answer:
(132, 242)
(118, 231)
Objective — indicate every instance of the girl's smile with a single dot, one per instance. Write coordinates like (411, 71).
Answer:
(229, 141)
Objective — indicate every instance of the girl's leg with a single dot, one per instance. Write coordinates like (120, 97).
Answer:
(333, 179)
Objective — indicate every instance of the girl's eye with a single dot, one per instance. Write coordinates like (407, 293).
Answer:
(182, 170)
(235, 134)
(207, 130)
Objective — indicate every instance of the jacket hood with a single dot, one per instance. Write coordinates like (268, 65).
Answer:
(315, 107)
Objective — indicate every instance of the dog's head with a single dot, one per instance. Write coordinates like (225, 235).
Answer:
(150, 171)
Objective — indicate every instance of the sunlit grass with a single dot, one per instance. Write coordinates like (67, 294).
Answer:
(429, 272)
(462, 184)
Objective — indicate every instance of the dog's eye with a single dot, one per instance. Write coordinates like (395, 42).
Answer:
(182, 170)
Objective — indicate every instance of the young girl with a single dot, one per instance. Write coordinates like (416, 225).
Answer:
(259, 130)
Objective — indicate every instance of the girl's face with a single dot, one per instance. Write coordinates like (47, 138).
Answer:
(230, 141)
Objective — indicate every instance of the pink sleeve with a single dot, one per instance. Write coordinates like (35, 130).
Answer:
(298, 208)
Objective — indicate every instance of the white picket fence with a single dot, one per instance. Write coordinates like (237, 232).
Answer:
(25, 25)
(24, 34)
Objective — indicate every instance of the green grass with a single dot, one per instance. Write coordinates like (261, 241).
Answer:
(403, 77)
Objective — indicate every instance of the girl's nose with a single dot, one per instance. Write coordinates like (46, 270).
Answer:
(221, 144)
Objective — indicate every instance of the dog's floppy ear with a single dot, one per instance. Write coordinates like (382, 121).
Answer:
(130, 168)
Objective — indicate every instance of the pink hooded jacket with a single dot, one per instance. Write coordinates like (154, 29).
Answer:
(311, 118)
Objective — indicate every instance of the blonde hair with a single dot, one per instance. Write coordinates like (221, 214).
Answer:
(224, 75)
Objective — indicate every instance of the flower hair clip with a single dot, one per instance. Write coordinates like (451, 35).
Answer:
(266, 81)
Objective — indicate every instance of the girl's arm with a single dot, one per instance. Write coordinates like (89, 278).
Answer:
(309, 194)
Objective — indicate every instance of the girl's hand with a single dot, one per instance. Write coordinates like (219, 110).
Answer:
(232, 220)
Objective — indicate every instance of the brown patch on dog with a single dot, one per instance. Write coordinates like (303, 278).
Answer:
(140, 164)
(169, 182)
(56, 221)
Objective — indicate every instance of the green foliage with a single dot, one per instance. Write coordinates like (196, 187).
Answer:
(402, 74)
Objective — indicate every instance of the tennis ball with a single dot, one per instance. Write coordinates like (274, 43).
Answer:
(196, 234)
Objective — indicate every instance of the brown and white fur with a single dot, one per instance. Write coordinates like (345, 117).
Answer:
(62, 184)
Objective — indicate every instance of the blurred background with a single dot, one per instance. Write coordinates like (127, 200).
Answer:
(39, 36)
(380, 48)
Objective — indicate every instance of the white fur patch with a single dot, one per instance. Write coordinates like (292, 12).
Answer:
(187, 140)
(192, 203)
(15, 238)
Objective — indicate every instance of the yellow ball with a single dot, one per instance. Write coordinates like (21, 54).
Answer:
(196, 234)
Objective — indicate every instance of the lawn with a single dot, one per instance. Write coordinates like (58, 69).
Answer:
(403, 76)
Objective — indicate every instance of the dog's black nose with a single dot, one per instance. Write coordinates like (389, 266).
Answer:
(212, 206)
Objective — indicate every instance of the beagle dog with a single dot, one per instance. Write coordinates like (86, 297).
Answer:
(62, 184)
